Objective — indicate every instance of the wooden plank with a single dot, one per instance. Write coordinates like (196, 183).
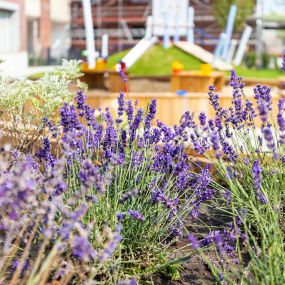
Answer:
(94, 79)
(203, 55)
(193, 81)
(172, 106)
(116, 83)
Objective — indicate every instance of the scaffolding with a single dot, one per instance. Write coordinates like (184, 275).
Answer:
(124, 21)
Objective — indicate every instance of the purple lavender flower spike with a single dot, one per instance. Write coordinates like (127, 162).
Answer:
(53, 129)
(136, 215)
(128, 195)
(123, 75)
(237, 111)
(193, 241)
(214, 98)
(202, 118)
(128, 282)
(236, 81)
(44, 154)
(228, 195)
(135, 125)
(130, 111)
(268, 136)
(264, 101)
(110, 137)
(120, 216)
(151, 112)
(80, 102)
(195, 213)
(150, 115)
(121, 107)
(89, 176)
(215, 140)
(219, 243)
(257, 179)
(68, 118)
(82, 249)
(281, 120)
(283, 61)
(256, 170)
(221, 276)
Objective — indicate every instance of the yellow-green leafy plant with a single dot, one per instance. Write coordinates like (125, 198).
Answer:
(24, 104)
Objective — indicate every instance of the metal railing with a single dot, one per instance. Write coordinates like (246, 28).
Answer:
(79, 33)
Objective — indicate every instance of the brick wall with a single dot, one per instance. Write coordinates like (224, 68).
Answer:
(45, 28)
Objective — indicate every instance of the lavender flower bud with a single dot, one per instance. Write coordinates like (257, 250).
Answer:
(136, 215)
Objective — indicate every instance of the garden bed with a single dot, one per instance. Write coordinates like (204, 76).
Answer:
(170, 105)
(128, 199)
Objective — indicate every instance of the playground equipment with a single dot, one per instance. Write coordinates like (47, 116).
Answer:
(226, 46)
(176, 66)
(89, 33)
(190, 32)
(173, 19)
(90, 51)
(229, 31)
(104, 51)
(148, 31)
(165, 22)
(242, 45)
(170, 14)
(223, 46)
(138, 50)
(231, 51)
(203, 55)
(166, 36)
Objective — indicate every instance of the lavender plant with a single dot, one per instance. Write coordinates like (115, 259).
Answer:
(108, 207)
(246, 146)
(143, 173)
(121, 190)
(43, 239)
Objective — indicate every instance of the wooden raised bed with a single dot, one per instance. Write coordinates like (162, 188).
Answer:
(116, 83)
(170, 105)
(94, 78)
(278, 82)
(195, 81)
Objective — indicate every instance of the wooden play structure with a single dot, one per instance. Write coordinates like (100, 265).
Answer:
(165, 23)
(202, 54)
(94, 78)
(116, 83)
(196, 81)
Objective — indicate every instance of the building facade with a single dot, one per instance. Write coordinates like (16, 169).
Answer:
(33, 30)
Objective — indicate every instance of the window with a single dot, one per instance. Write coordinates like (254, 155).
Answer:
(6, 32)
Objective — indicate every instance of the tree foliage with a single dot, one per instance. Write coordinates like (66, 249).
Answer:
(244, 10)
